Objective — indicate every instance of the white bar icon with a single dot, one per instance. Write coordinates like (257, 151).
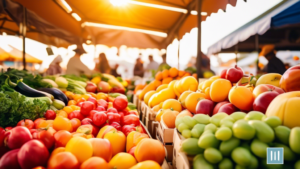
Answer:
(271, 155)
(278, 155)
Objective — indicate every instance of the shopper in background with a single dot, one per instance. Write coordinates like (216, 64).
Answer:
(54, 67)
(75, 66)
(114, 71)
(152, 65)
(275, 65)
(138, 68)
(164, 64)
(103, 65)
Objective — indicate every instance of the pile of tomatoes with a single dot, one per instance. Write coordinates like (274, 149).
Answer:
(88, 133)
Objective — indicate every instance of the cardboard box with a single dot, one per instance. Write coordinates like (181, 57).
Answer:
(165, 132)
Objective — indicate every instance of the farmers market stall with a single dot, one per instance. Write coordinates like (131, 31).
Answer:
(226, 121)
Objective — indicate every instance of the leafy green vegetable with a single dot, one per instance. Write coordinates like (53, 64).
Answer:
(15, 107)
(34, 81)
(74, 77)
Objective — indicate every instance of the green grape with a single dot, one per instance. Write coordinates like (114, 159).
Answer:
(254, 115)
(178, 121)
(242, 130)
(282, 134)
(189, 121)
(215, 119)
(211, 127)
(259, 148)
(190, 146)
(226, 147)
(272, 121)
(241, 156)
(182, 127)
(208, 140)
(226, 163)
(263, 131)
(202, 118)
(238, 115)
(212, 155)
(186, 133)
(223, 133)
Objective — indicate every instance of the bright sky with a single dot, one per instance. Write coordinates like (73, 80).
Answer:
(213, 29)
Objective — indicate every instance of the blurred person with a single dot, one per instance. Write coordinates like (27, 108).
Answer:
(75, 66)
(114, 71)
(54, 67)
(138, 68)
(103, 65)
(164, 64)
(152, 65)
(274, 65)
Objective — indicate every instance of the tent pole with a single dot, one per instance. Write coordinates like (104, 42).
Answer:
(199, 52)
(178, 53)
(257, 49)
(24, 24)
(236, 53)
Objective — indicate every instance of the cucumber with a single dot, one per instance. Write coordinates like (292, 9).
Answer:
(58, 104)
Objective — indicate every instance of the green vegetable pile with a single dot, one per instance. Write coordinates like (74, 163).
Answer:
(34, 81)
(15, 106)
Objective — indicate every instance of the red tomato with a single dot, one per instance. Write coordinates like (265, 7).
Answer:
(61, 138)
(113, 117)
(91, 115)
(102, 102)
(116, 125)
(3, 149)
(131, 120)
(93, 100)
(126, 129)
(76, 114)
(75, 123)
(45, 137)
(38, 121)
(26, 123)
(99, 118)
(86, 121)
(112, 110)
(50, 115)
(100, 108)
(87, 107)
(120, 103)
(8, 128)
(79, 104)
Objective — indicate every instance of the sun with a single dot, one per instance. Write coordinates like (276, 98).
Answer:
(118, 2)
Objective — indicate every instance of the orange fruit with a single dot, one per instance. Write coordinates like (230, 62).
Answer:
(165, 74)
(172, 104)
(156, 83)
(241, 97)
(181, 73)
(101, 96)
(219, 90)
(207, 90)
(192, 100)
(72, 102)
(173, 72)
(186, 74)
(74, 107)
(195, 75)
(183, 96)
(68, 109)
(158, 76)
(167, 80)
(62, 113)
(184, 113)
(169, 118)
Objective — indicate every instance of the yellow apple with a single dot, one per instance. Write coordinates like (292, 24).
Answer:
(270, 78)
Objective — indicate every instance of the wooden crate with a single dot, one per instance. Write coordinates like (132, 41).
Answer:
(165, 132)
(168, 147)
(180, 159)
(150, 119)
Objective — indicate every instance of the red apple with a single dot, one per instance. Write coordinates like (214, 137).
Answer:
(223, 73)
(228, 108)
(50, 115)
(103, 87)
(290, 80)
(261, 103)
(91, 87)
(26, 123)
(205, 106)
(234, 74)
(266, 88)
(217, 107)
